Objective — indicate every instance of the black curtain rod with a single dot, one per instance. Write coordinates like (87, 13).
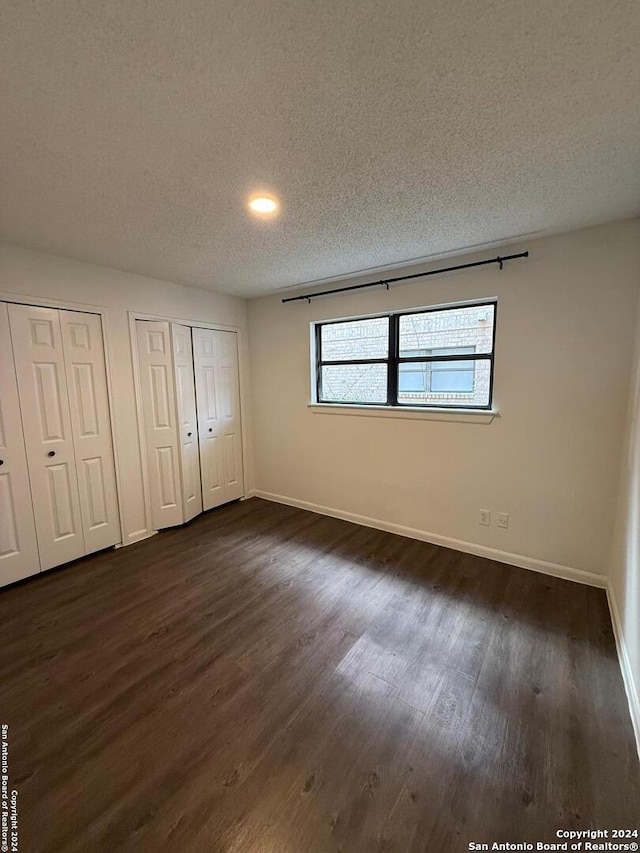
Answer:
(388, 281)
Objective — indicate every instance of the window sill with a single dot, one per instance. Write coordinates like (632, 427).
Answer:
(465, 416)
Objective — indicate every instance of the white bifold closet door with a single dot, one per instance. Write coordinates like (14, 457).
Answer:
(18, 544)
(187, 421)
(160, 422)
(191, 414)
(219, 424)
(83, 347)
(61, 375)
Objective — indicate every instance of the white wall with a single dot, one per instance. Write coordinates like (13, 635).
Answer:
(565, 334)
(624, 590)
(39, 275)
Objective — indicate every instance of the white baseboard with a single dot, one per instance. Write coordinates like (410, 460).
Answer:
(554, 569)
(628, 675)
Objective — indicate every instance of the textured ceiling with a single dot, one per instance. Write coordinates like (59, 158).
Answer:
(132, 131)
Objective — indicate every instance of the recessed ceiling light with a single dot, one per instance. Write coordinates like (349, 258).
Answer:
(263, 205)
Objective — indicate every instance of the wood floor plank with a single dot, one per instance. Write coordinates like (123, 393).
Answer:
(268, 679)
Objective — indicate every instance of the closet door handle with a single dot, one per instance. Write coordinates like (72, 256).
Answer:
(1, 461)
(188, 435)
(210, 429)
(51, 453)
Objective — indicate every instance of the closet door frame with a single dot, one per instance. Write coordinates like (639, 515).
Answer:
(103, 313)
(194, 324)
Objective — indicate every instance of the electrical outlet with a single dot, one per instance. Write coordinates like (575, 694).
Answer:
(485, 517)
(503, 519)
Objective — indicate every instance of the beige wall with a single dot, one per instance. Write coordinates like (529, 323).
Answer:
(551, 459)
(38, 275)
(625, 562)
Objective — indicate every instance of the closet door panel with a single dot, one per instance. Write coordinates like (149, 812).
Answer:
(187, 420)
(218, 397)
(40, 369)
(18, 545)
(207, 376)
(83, 348)
(231, 419)
(160, 428)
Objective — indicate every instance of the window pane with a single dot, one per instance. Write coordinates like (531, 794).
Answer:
(445, 332)
(354, 383)
(356, 339)
(445, 383)
(449, 377)
(412, 377)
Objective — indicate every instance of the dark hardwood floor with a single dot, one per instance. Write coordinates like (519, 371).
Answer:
(266, 679)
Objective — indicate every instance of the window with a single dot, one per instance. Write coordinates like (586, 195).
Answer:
(441, 358)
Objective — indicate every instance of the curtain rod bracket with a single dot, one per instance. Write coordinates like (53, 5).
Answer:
(499, 260)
